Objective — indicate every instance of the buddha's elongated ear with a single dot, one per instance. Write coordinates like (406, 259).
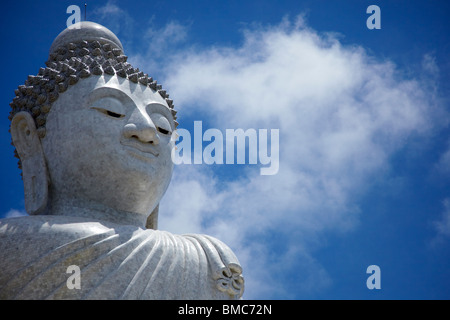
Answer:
(152, 219)
(34, 168)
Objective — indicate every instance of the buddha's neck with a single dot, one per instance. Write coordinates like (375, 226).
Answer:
(93, 210)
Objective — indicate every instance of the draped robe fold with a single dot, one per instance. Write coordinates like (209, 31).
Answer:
(116, 262)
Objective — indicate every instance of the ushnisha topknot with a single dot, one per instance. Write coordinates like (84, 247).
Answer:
(84, 49)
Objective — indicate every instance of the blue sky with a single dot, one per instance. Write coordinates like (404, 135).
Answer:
(363, 117)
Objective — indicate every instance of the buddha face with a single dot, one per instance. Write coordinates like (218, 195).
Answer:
(109, 142)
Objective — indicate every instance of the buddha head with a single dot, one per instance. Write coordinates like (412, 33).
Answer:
(92, 133)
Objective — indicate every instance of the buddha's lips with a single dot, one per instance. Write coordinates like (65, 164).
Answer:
(144, 147)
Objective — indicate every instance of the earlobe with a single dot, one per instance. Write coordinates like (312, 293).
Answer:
(34, 168)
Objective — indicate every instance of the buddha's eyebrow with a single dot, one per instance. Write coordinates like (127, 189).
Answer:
(158, 105)
(103, 92)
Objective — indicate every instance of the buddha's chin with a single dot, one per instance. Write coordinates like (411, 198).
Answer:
(146, 165)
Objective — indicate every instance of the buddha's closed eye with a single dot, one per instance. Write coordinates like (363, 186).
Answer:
(163, 131)
(109, 112)
(161, 123)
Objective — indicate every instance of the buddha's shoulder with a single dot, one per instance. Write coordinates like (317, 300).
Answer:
(43, 226)
(45, 241)
(53, 231)
(36, 235)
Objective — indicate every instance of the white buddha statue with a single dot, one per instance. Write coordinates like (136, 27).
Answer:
(93, 138)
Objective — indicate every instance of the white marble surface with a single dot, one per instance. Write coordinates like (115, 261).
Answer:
(116, 167)
(93, 183)
(117, 261)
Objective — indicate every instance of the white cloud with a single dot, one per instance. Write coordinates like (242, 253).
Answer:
(161, 40)
(429, 64)
(183, 212)
(15, 213)
(114, 18)
(159, 43)
(341, 113)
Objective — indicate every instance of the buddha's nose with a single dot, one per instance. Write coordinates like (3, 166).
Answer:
(142, 128)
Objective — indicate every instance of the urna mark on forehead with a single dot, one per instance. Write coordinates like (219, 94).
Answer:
(82, 50)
